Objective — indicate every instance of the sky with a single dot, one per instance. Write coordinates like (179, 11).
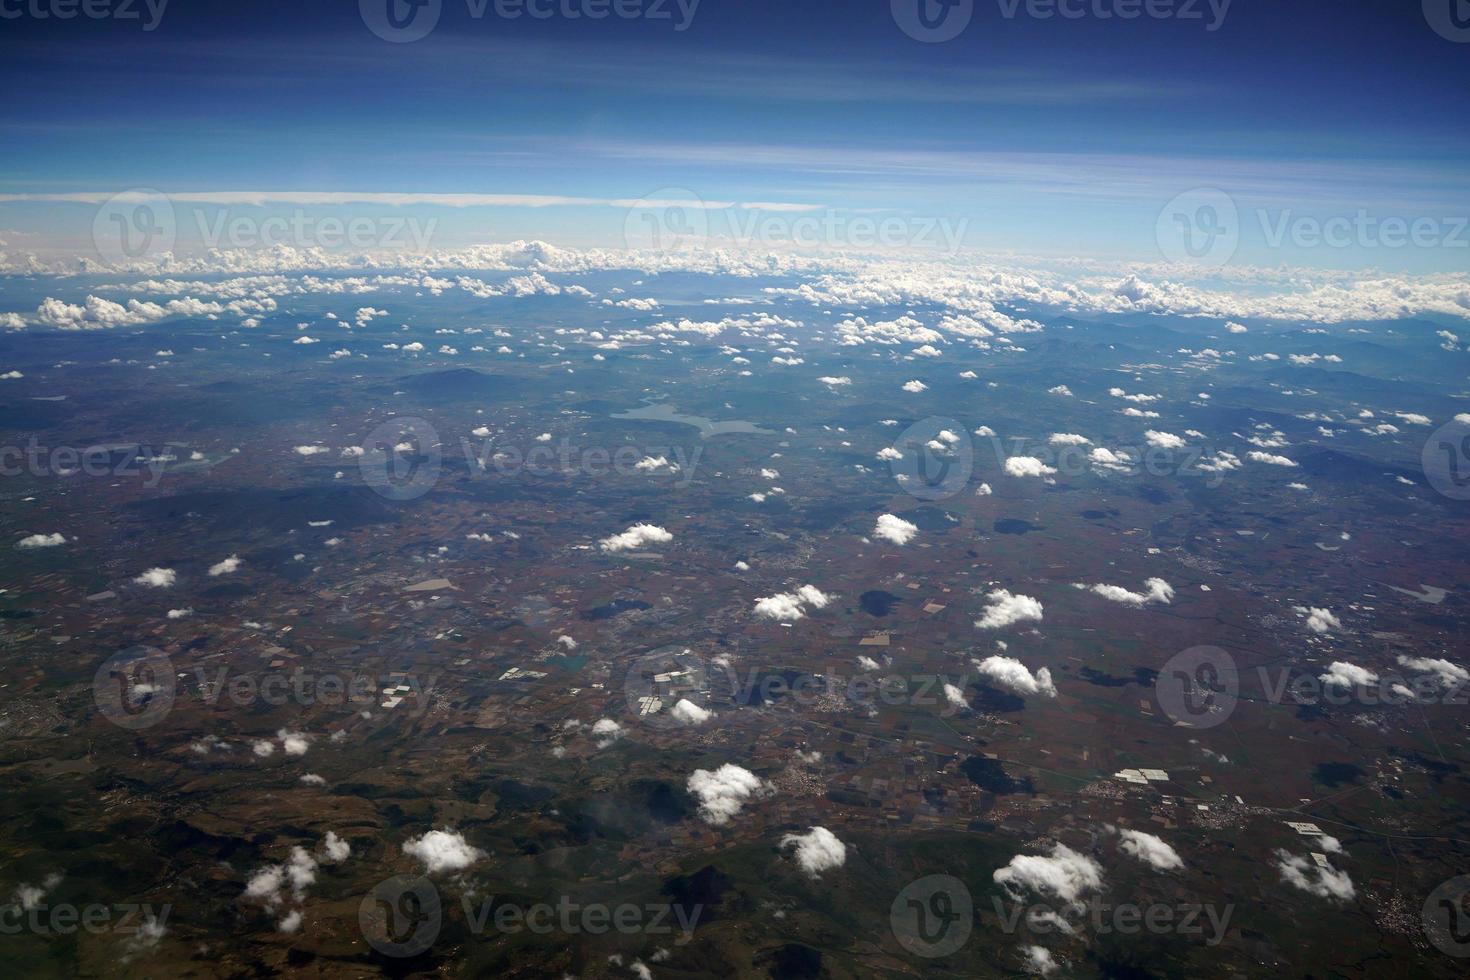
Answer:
(1027, 132)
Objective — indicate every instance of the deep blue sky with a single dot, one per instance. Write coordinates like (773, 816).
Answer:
(1048, 135)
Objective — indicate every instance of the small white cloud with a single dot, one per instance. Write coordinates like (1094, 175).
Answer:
(226, 566)
(336, 849)
(686, 712)
(606, 731)
(1319, 620)
(1038, 961)
(158, 578)
(293, 743)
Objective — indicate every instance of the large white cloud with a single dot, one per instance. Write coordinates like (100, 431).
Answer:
(442, 850)
(1158, 591)
(1012, 675)
(1449, 674)
(1005, 609)
(1022, 466)
(1150, 849)
(1324, 882)
(686, 712)
(1163, 440)
(1066, 875)
(791, 606)
(1343, 674)
(158, 578)
(41, 541)
(637, 536)
(817, 850)
(895, 529)
(724, 791)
